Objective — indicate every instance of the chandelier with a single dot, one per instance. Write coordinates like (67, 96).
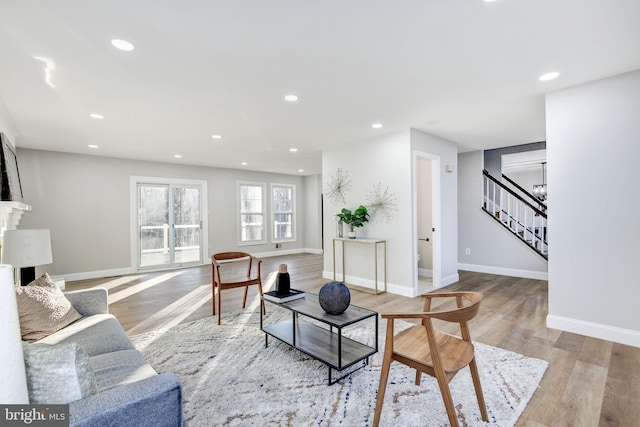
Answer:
(540, 190)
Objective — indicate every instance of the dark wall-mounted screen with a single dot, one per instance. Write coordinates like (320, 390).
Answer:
(10, 186)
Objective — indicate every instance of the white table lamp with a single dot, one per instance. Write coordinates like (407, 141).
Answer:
(25, 249)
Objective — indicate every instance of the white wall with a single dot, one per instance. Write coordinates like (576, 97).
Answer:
(526, 177)
(593, 150)
(6, 124)
(312, 218)
(493, 249)
(385, 160)
(85, 200)
(389, 160)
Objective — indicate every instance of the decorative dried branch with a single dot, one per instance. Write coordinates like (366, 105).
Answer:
(381, 203)
(338, 186)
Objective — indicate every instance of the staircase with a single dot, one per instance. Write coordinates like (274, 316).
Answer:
(516, 210)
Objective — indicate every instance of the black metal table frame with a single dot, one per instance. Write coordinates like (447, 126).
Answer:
(296, 326)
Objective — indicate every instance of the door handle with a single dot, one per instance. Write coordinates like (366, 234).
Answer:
(426, 239)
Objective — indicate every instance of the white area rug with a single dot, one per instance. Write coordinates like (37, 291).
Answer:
(230, 379)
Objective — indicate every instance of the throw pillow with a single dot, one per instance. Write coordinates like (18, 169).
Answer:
(58, 374)
(43, 309)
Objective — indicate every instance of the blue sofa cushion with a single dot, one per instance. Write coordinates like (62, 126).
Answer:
(96, 334)
(58, 373)
(119, 368)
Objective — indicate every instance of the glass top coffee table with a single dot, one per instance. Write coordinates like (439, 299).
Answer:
(320, 335)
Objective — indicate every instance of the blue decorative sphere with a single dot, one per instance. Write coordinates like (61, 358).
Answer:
(334, 297)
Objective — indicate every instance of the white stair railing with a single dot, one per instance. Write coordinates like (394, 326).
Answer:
(524, 220)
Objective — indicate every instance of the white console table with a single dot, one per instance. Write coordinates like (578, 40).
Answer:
(375, 244)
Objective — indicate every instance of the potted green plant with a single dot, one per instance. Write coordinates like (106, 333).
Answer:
(354, 219)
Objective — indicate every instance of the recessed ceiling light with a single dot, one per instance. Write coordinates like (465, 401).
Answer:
(123, 45)
(548, 76)
(96, 116)
(244, 163)
(300, 170)
(177, 156)
(216, 136)
(376, 125)
(293, 150)
(94, 146)
(488, 1)
(291, 98)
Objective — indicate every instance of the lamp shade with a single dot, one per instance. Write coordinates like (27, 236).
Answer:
(27, 248)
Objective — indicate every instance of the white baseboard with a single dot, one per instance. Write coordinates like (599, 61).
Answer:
(280, 252)
(400, 290)
(513, 272)
(313, 251)
(370, 284)
(98, 274)
(448, 280)
(69, 277)
(595, 330)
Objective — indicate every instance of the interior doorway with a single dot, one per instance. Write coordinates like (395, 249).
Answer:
(427, 258)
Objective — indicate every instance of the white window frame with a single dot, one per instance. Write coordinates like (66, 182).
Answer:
(293, 214)
(265, 231)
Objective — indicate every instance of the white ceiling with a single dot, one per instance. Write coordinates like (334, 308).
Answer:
(465, 70)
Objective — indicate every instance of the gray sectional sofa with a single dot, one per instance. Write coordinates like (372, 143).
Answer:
(130, 392)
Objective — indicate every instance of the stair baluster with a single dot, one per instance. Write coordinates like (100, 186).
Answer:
(512, 211)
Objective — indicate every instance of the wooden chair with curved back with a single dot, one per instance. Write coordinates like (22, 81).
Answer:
(218, 261)
(433, 352)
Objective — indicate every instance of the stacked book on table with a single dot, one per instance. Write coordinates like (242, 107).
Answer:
(274, 296)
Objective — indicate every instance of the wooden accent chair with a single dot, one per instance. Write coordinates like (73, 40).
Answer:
(433, 352)
(219, 259)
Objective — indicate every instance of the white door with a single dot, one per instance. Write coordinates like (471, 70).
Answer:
(169, 225)
(427, 223)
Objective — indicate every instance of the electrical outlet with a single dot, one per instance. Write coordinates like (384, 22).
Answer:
(467, 251)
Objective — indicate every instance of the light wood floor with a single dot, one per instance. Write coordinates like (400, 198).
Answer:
(589, 382)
